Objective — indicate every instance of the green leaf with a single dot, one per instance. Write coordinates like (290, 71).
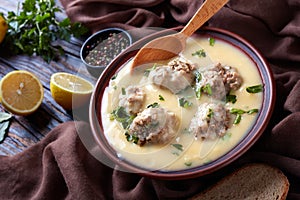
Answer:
(4, 116)
(237, 119)
(237, 111)
(207, 88)
(147, 71)
(185, 103)
(153, 105)
(198, 92)
(255, 88)
(178, 146)
(210, 113)
(199, 53)
(227, 136)
(161, 98)
(198, 76)
(212, 41)
(114, 77)
(255, 110)
(64, 23)
(122, 116)
(123, 91)
(4, 124)
(231, 98)
(3, 128)
(131, 138)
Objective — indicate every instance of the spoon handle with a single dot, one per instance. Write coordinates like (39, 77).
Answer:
(205, 12)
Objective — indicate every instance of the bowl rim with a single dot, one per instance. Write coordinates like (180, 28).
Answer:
(244, 145)
(96, 34)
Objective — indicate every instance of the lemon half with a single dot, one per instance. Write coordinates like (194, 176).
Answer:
(21, 92)
(70, 91)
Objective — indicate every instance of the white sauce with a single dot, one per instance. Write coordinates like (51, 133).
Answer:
(194, 152)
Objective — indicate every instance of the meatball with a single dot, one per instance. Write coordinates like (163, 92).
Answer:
(155, 125)
(211, 83)
(219, 81)
(210, 121)
(132, 99)
(176, 76)
(231, 78)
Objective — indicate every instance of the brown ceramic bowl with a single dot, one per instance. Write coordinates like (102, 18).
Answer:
(249, 139)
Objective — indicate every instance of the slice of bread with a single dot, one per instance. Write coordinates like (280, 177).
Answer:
(252, 181)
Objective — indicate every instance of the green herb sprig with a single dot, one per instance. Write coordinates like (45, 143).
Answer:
(122, 116)
(231, 98)
(153, 105)
(34, 29)
(4, 124)
(212, 41)
(183, 102)
(200, 53)
(255, 88)
(239, 112)
(178, 146)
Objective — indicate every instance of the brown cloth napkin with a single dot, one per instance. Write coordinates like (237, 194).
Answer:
(60, 167)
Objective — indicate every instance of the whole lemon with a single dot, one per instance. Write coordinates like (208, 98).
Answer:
(3, 28)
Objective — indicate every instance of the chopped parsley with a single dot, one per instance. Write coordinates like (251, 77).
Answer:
(183, 102)
(188, 164)
(178, 146)
(122, 116)
(210, 113)
(231, 98)
(147, 71)
(237, 119)
(198, 76)
(255, 110)
(131, 138)
(161, 98)
(207, 89)
(227, 136)
(239, 112)
(186, 131)
(200, 53)
(212, 41)
(255, 88)
(207, 162)
(198, 92)
(153, 105)
(114, 77)
(123, 91)
(198, 88)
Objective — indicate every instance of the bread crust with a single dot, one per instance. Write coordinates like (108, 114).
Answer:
(264, 172)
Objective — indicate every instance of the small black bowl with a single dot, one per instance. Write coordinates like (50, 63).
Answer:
(102, 47)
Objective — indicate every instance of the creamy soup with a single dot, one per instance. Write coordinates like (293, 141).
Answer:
(182, 141)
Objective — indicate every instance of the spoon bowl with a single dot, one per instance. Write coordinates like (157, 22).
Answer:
(169, 46)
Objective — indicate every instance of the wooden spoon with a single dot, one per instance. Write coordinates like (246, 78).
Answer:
(169, 46)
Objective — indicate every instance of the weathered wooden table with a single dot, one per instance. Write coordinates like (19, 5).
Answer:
(26, 131)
